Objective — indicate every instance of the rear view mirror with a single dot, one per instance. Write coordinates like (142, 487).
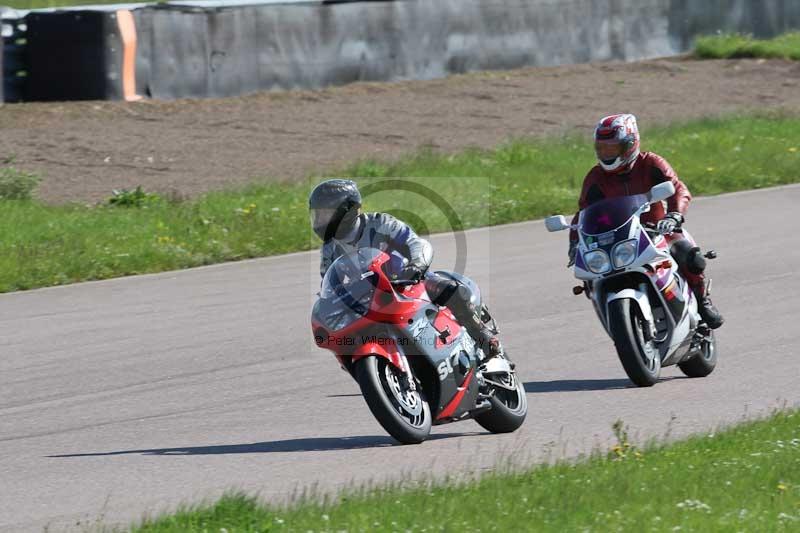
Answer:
(662, 191)
(556, 223)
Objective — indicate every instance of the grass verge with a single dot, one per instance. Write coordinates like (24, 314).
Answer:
(729, 46)
(745, 478)
(42, 245)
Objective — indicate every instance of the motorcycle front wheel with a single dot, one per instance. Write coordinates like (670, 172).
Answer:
(509, 406)
(402, 412)
(640, 358)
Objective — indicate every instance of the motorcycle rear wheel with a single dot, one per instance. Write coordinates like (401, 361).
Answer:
(640, 359)
(403, 413)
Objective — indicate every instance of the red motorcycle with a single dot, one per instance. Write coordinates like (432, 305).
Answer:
(415, 364)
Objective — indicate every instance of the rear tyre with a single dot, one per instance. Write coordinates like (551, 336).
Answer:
(704, 362)
(640, 358)
(402, 412)
(509, 407)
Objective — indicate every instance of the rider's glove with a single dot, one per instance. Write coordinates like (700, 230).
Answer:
(573, 251)
(670, 223)
(411, 273)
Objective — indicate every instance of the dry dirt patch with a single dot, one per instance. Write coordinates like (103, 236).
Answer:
(83, 150)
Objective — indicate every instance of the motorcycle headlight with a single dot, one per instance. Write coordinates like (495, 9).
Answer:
(624, 253)
(597, 261)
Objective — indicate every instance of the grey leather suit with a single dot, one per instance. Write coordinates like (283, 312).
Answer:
(386, 233)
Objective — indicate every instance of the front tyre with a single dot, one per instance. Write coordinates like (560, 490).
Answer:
(640, 358)
(402, 412)
(705, 361)
(509, 405)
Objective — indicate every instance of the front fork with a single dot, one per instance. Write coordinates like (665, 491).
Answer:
(489, 320)
(649, 331)
(641, 298)
(494, 365)
(408, 379)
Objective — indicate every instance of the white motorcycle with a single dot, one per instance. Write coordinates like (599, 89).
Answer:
(644, 303)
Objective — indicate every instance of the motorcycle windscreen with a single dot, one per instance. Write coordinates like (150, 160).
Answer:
(393, 268)
(608, 215)
(347, 290)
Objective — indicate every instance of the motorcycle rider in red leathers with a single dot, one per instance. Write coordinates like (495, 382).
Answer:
(623, 170)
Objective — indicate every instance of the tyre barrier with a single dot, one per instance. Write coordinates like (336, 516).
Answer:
(219, 49)
(2, 63)
(12, 63)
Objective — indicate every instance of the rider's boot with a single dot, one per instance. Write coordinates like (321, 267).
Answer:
(465, 314)
(486, 340)
(708, 311)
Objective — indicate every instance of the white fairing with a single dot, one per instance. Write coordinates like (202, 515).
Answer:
(650, 255)
(638, 296)
(497, 365)
(688, 323)
(674, 337)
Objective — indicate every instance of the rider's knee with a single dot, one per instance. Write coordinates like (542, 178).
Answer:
(463, 292)
(688, 256)
(463, 301)
(441, 288)
(697, 263)
(457, 297)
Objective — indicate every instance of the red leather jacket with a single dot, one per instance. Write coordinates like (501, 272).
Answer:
(648, 170)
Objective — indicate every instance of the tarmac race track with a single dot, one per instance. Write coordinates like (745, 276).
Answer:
(130, 396)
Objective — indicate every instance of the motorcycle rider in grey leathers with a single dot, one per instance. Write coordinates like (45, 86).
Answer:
(336, 217)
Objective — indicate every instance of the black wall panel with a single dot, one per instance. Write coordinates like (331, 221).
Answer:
(225, 51)
(73, 55)
(3, 75)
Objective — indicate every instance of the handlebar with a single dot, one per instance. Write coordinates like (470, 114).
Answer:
(404, 282)
(652, 226)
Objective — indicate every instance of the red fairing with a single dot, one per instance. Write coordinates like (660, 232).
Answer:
(451, 407)
(416, 291)
(386, 307)
(386, 348)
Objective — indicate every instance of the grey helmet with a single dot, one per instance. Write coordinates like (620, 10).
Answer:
(334, 208)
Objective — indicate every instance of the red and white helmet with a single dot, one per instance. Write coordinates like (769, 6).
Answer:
(616, 143)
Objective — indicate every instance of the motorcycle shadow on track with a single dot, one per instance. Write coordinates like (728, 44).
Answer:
(315, 444)
(579, 385)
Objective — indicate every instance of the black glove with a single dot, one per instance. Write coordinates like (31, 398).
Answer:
(670, 223)
(410, 274)
(573, 251)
